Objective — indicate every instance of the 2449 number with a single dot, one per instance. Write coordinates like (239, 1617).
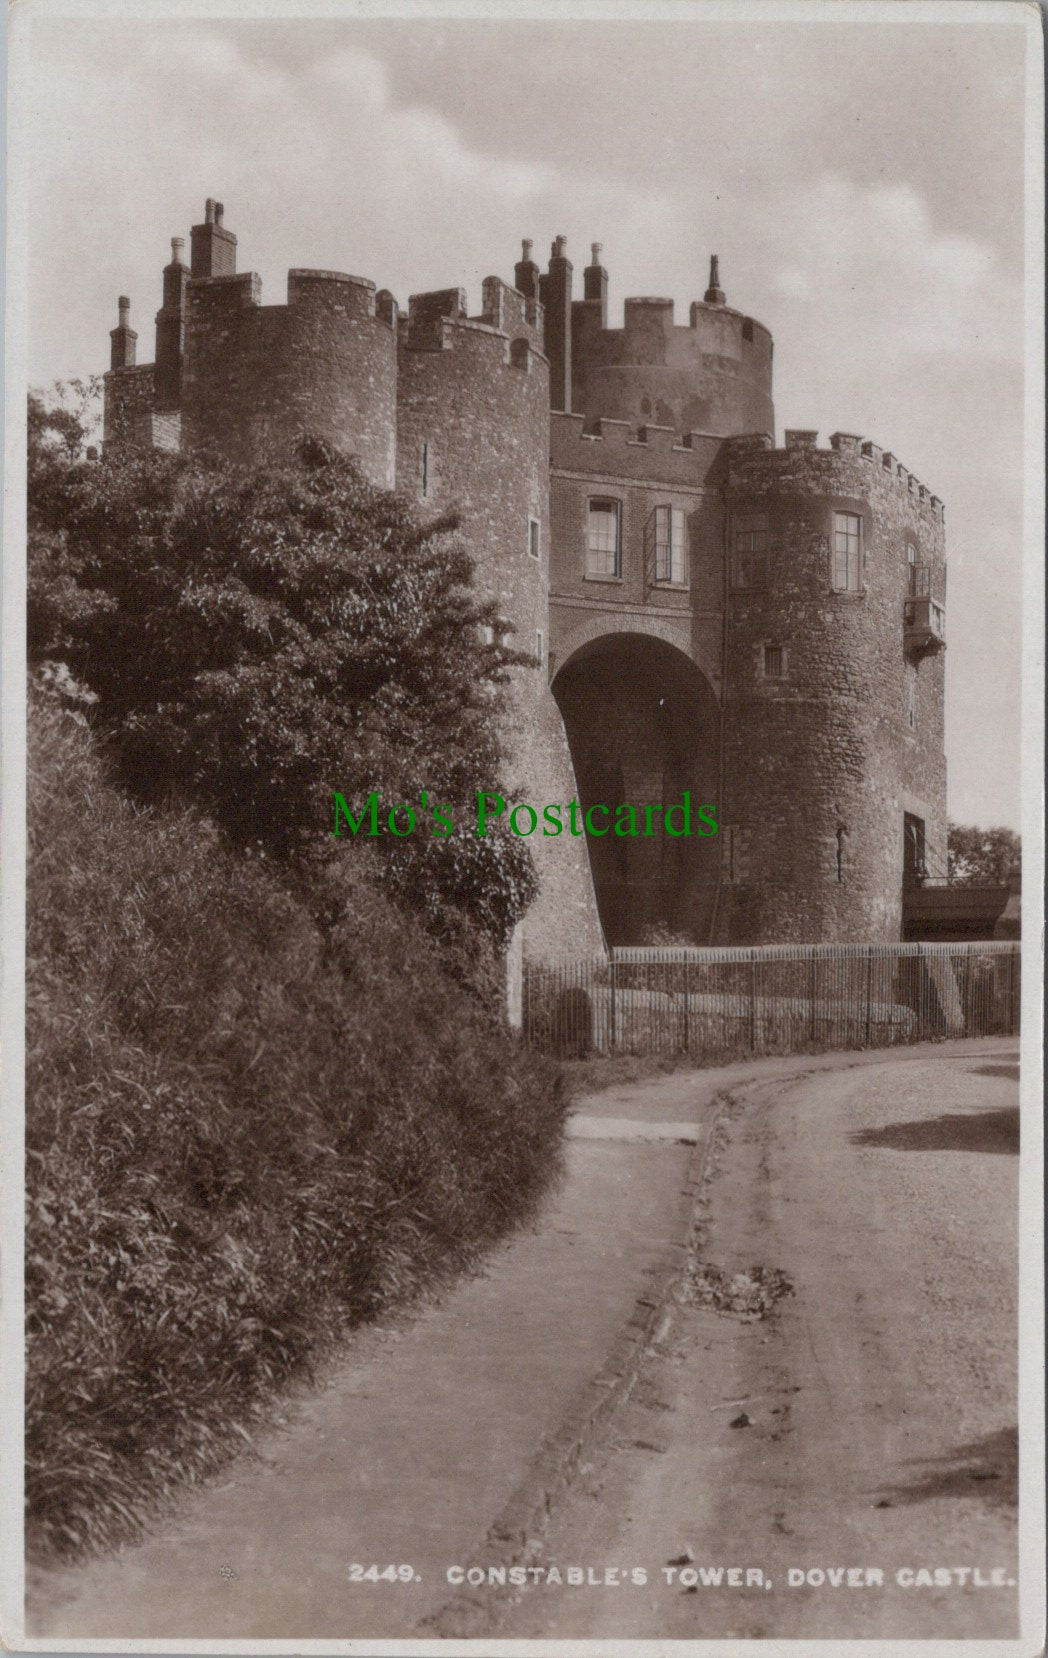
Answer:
(383, 1574)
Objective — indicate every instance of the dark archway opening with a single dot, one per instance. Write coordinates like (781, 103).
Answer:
(643, 727)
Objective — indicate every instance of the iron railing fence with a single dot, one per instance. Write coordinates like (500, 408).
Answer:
(769, 999)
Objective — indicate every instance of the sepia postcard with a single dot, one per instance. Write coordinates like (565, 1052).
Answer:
(523, 679)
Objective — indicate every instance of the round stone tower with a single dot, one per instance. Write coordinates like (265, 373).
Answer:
(833, 771)
(473, 434)
(712, 376)
(254, 376)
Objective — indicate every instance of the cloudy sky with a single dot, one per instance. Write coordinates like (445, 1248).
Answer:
(861, 181)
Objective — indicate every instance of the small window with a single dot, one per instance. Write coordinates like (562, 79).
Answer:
(540, 647)
(423, 469)
(911, 569)
(603, 539)
(913, 865)
(534, 541)
(487, 634)
(911, 698)
(774, 662)
(670, 532)
(750, 551)
(847, 552)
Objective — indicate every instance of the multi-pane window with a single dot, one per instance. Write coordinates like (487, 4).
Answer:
(847, 552)
(670, 531)
(774, 662)
(604, 539)
(750, 551)
(534, 544)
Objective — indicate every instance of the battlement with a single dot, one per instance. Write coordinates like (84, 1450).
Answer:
(305, 289)
(439, 321)
(642, 451)
(510, 311)
(645, 315)
(884, 467)
(712, 373)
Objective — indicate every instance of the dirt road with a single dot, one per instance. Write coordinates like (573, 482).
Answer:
(866, 1422)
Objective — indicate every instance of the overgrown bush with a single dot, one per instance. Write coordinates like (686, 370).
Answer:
(246, 1132)
(257, 639)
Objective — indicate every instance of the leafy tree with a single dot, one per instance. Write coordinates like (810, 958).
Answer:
(69, 419)
(982, 857)
(256, 639)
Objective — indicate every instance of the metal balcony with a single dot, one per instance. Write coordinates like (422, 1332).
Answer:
(924, 618)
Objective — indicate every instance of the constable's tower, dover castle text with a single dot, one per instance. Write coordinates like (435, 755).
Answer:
(760, 625)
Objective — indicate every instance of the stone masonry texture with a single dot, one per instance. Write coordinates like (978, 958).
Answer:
(809, 719)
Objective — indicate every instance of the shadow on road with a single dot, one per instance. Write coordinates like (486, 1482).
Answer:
(991, 1131)
(987, 1468)
(1009, 1071)
(994, 1131)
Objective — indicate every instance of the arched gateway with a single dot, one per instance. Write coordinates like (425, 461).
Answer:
(644, 730)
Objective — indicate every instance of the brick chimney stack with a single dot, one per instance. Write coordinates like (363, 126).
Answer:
(123, 336)
(170, 330)
(213, 247)
(526, 273)
(555, 294)
(595, 282)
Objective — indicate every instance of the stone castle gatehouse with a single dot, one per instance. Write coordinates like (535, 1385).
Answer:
(762, 626)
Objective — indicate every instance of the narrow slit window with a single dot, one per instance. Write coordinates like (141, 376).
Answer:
(733, 853)
(911, 569)
(911, 699)
(540, 647)
(847, 552)
(534, 539)
(423, 469)
(604, 539)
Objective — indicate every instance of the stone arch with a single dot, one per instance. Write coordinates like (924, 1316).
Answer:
(668, 628)
(643, 726)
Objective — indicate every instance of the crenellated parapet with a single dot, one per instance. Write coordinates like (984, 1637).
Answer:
(713, 374)
(629, 450)
(753, 456)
